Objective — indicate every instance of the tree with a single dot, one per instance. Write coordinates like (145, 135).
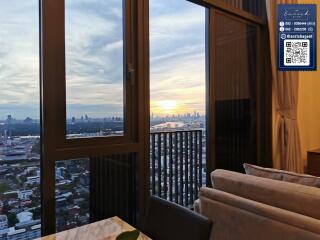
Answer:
(4, 187)
(36, 148)
(36, 212)
(12, 219)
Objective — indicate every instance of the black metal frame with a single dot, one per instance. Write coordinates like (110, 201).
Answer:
(180, 176)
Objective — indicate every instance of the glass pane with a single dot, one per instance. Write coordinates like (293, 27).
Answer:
(94, 68)
(19, 120)
(72, 193)
(178, 101)
(235, 91)
(96, 188)
(114, 187)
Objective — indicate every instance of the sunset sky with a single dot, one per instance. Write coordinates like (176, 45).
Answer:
(177, 41)
(94, 50)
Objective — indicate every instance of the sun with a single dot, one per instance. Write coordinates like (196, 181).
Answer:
(167, 106)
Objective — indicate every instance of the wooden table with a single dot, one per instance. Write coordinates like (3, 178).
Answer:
(107, 229)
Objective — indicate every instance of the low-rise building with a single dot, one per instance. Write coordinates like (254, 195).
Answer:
(24, 217)
(33, 180)
(35, 231)
(24, 194)
(1, 206)
(18, 234)
(3, 222)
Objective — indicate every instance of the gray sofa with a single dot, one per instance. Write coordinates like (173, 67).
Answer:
(244, 207)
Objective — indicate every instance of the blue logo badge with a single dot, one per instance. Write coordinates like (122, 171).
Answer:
(297, 37)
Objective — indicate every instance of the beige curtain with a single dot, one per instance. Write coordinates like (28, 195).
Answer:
(287, 149)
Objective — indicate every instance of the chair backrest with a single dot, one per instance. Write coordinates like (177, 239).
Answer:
(169, 221)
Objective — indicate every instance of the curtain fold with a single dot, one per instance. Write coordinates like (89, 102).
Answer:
(287, 146)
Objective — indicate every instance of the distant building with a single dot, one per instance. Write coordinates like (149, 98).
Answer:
(75, 176)
(31, 169)
(28, 233)
(33, 180)
(24, 217)
(25, 194)
(28, 120)
(60, 173)
(35, 231)
(9, 119)
(3, 222)
(84, 179)
(61, 203)
(27, 224)
(1, 206)
(14, 234)
(66, 195)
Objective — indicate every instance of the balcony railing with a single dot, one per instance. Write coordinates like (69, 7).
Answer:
(176, 165)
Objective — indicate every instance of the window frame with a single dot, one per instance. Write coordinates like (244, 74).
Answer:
(55, 146)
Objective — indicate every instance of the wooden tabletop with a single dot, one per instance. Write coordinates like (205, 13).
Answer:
(107, 229)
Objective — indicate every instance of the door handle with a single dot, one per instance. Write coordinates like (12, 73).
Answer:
(130, 74)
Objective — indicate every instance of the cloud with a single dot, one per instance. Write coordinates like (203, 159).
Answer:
(94, 56)
(19, 58)
(177, 55)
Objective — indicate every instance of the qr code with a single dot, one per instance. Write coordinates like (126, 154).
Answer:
(297, 52)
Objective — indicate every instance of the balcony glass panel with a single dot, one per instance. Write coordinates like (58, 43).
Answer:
(94, 68)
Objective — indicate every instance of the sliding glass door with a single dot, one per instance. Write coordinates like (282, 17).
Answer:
(208, 103)
(177, 99)
(236, 82)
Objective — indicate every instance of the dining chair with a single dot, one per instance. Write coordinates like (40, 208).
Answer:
(169, 221)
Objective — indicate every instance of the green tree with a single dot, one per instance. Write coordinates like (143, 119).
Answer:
(36, 213)
(4, 187)
(12, 219)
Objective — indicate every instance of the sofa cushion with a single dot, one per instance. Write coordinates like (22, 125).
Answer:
(290, 196)
(196, 206)
(281, 175)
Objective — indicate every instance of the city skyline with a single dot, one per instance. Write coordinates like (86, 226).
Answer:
(86, 117)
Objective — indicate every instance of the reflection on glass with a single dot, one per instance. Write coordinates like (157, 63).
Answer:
(177, 96)
(94, 68)
(235, 86)
(72, 193)
(257, 7)
(19, 120)
(114, 187)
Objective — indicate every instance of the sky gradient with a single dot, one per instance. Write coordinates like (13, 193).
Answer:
(94, 57)
(177, 57)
